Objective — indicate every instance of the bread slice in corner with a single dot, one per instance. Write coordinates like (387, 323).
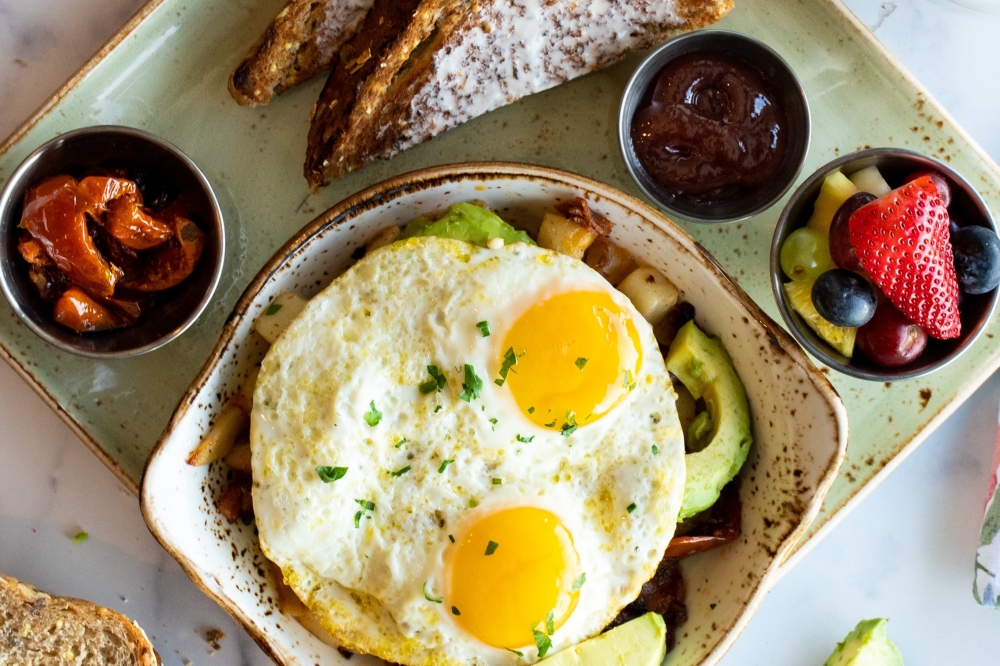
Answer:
(301, 41)
(41, 630)
(458, 59)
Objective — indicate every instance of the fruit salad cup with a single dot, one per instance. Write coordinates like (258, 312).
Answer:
(885, 264)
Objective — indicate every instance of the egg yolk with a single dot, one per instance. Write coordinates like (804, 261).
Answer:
(575, 356)
(507, 572)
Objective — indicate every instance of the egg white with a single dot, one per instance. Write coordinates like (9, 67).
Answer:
(368, 338)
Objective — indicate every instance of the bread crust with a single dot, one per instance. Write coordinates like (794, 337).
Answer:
(39, 629)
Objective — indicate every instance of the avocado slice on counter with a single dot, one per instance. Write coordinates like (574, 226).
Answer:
(867, 645)
(704, 367)
(466, 222)
(638, 642)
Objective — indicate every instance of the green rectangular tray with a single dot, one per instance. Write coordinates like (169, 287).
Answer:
(166, 72)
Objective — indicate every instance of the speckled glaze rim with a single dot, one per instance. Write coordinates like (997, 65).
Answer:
(785, 226)
(636, 87)
(382, 193)
(14, 190)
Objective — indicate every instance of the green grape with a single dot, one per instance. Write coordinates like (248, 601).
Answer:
(805, 254)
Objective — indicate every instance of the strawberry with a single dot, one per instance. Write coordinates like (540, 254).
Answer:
(902, 241)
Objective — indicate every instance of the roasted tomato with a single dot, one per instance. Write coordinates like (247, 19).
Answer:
(172, 263)
(133, 227)
(77, 310)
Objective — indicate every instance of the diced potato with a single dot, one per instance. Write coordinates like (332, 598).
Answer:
(652, 294)
(383, 238)
(278, 315)
(239, 456)
(610, 260)
(836, 189)
(232, 423)
(244, 397)
(870, 180)
(559, 234)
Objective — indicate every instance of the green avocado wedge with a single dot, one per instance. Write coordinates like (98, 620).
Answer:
(466, 222)
(704, 367)
(867, 645)
(639, 642)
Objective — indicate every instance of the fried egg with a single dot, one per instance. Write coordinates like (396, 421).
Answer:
(462, 454)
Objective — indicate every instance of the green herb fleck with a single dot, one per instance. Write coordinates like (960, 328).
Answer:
(366, 504)
(519, 654)
(631, 507)
(455, 611)
(473, 503)
(656, 449)
(330, 474)
(357, 519)
(451, 538)
(524, 440)
(471, 386)
(628, 383)
(509, 361)
(570, 426)
(272, 309)
(484, 328)
(551, 425)
(428, 597)
(542, 642)
(373, 416)
(497, 481)
(580, 362)
(531, 410)
(491, 547)
(437, 409)
(578, 583)
(80, 537)
(493, 421)
(712, 606)
(550, 625)
(444, 465)
(400, 443)
(435, 383)
(399, 472)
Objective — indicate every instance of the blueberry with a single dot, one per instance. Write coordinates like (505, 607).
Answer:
(977, 259)
(843, 298)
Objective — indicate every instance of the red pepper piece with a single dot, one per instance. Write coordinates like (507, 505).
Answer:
(134, 227)
(76, 310)
(51, 214)
(174, 262)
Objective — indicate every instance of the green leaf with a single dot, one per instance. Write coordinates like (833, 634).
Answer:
(484, 328)
(509, 361)
(80, 537)
(519, 654)
(437, 409)
(331, 474)
(542, 642)
(531, 410)
(491, 547)
(454, 610)
(272, 309)
(580, 362)
(497, 481)
(373, 416)
(656, 449)
(444, 465)
(473, 503)
(451, 538)
(399, 472)
(428, 597)
(366, 504)
(436, 382)
(524, 440)
(357, 519)
(400, 443)
(578, 583)
(550, 625)
(569, 427)
(631, 507)
(472, 384)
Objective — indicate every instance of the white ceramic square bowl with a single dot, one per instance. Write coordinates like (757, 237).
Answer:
(799, 422)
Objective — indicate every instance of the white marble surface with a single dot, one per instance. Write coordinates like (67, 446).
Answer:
(905, 553)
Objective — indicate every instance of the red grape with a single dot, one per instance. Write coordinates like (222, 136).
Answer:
(943, 188)
(843, 253)
(890, 339)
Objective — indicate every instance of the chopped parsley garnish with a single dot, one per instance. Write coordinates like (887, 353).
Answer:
(428, 597)
(578, 583)
(712, 606)
(631, 507)
(473, 503)
(367, 505)
(471, 386)
(80, 537)
(400, 443)
(656, 449)
(497, 481)
(569, 427)
(580, 362)
(519, 654)
(437, 409)
(628, 383)
(509, 361)
(551, 425)
(399, 472)
(550, 627)
(444, 465)
(542, 642)
(531, 410)
(484, 328)
(493, 421)
(491, 547)
(331, 474)
(454, 610)
(435, 383)
(524, 440)
(373, 416)
(451, 538)
(272, 309)
(357, 519)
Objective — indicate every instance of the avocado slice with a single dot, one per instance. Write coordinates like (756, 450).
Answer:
(638, 642)
(704, 367)
(867, 645)
(466, 222)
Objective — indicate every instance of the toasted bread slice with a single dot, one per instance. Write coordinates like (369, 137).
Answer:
(458, 59)
(301, 41)
(40, 630)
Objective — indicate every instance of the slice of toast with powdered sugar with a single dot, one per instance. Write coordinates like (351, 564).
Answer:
(457, 59)
(301, 41)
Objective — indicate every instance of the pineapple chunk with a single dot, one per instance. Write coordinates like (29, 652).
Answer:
(871, 181)
(652, 294)
(559, 234)
(800, 296)
(278, 315)
(836, 189)
(230, 424)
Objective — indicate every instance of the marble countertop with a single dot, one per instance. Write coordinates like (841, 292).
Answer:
(905, 553)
